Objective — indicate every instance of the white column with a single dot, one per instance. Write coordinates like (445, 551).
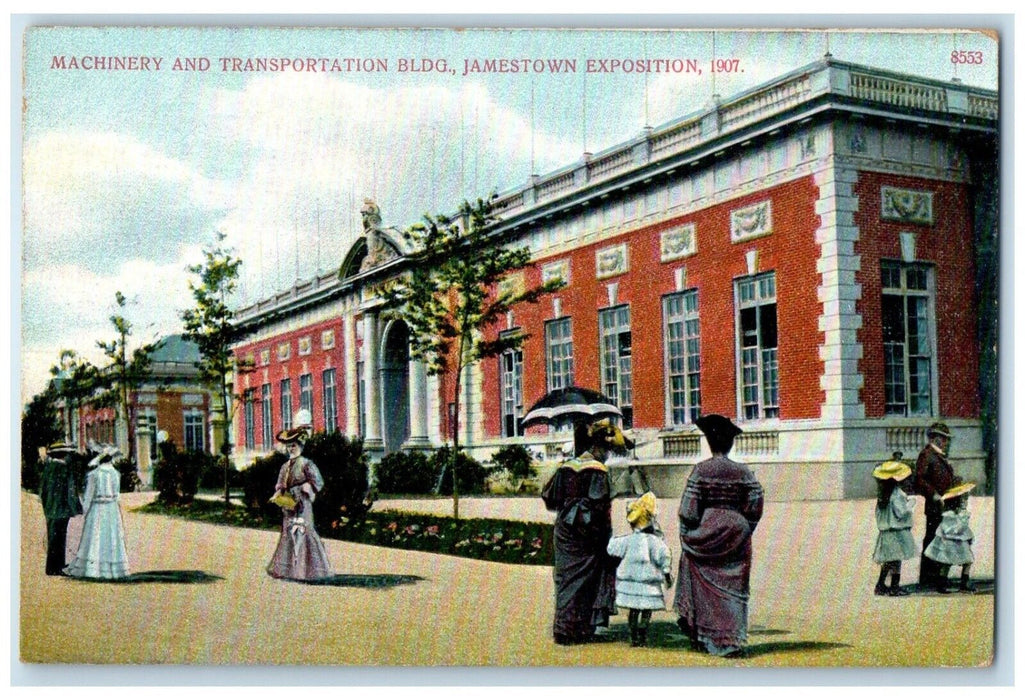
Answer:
(351, 380)
(417, 405)
(372, 383)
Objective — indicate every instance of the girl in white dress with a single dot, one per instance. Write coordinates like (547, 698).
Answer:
(643, 572)
(952, 545)
(101, 551)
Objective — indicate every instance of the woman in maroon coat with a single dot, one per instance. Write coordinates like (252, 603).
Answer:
(720, 508)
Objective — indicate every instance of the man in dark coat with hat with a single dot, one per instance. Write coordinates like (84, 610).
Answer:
(933, 476)
(60, 503)
(720, 508)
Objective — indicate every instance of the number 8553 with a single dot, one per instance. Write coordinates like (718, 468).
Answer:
(973, 57)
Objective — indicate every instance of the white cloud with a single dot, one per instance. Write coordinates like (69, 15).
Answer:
(69, 306)
(107, 212)
(315, 146)
(98, 198)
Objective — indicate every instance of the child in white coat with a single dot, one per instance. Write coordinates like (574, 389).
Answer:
(644, 568)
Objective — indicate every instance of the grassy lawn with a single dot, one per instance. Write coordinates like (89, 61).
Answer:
(488, 539)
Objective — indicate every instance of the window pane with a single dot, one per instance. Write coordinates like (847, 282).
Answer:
(559, 351)
(767, 320)
(890, 274)
(917, 278)
(907, 339)
(759, 390)
(918, 326)
(286, 404)
(893, 319)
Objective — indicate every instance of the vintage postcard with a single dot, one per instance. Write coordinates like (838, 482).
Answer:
(346, 346)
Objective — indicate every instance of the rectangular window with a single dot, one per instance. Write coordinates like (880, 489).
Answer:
(907, 339)
(286, 404)
(306, 393)
(617, 359)
(651, 202)
(249, 409)
(266, 417)
(758, 360)
(682, 341)
(330, 403)
(511, 375)
(195, 431)
(559, 353)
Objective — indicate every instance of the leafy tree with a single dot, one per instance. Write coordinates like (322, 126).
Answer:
(210, 325)
(39, 427)
(74, 380)
(124, 373)
(451, 296)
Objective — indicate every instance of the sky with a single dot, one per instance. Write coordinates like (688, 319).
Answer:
(127, 175)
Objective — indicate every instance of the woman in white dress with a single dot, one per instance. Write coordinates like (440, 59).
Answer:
(101, 551)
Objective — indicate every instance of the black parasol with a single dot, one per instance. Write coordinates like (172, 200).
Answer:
(570, 404)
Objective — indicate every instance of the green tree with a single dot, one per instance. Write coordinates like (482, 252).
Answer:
(39, 427)
(451, 296)
(210, 325)
(124, 373)
(74, 380)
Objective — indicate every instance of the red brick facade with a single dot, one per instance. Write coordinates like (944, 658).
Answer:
(948, 245)
(270, 368)
(790, 251)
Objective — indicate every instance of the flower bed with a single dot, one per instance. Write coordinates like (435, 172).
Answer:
(507, 541)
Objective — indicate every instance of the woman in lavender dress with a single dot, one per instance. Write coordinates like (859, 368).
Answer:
(300, 554)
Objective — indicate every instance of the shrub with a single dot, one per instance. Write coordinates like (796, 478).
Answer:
(406, 472)
(516, 460)
(343, 465)
(211, 473)
(31, 470)
(471, 473)
(177, 474)
(129, 475)
(258, 482)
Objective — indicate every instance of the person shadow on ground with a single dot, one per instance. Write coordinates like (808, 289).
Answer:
(364, 580)
(667, 635)
(193, 576)
(167, 576)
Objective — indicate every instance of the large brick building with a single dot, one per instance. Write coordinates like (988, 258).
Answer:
(814, 258)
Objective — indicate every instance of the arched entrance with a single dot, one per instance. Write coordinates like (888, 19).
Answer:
(395, 386)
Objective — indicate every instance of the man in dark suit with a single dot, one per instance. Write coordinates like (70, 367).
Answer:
(60, 503)
(933, 477)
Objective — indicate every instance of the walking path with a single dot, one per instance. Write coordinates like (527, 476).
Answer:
(812, 602)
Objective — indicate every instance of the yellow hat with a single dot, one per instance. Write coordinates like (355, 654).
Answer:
(958, 490)
(605, 433)
(640, 512)
(892, 469)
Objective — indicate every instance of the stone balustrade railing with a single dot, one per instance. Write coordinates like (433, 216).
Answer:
(757, 443)
(906, 439)
(827, 76)
(688, 445)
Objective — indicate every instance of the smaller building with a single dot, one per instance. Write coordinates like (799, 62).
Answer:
(173, 400)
